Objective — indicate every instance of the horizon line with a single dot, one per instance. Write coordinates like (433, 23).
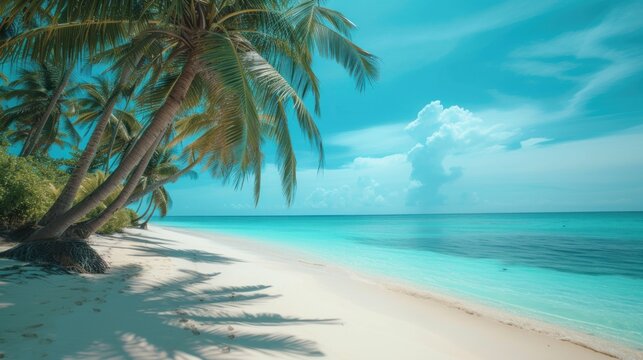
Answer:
(415, 214)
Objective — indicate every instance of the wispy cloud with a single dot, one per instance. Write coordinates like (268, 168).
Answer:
(409, 47)
(372, 141)
(560, 70)
(499, 16)
(563, 56)
(495, 17)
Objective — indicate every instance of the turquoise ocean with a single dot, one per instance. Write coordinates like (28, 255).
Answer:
(583, 271)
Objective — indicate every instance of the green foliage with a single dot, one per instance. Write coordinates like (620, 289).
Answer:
(240, 68)
(27, 189)
(28, 98)
(121, 219)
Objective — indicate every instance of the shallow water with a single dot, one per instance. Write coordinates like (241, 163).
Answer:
(580, 270)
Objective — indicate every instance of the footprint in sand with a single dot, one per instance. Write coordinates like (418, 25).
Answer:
(96, 310)
(225, 349)
(30, 335)
(231, 336)
(78, 302)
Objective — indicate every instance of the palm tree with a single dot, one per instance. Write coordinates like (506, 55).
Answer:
(159, 200)
(3, 80)
(96, 97)
(44, 106)
(163, 168)
(122, 125)
(247, 57)
(68, 32)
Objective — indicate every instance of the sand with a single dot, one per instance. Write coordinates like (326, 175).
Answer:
(174, 295)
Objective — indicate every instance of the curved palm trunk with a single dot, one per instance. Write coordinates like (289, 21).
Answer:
(66, 198)
(170, 179)
(138, 208)
(68, 194)
(91, 226)
(111, 147)
(162, 119)
(25, 146)
(149, 206)
(34, 135)
(144, 225)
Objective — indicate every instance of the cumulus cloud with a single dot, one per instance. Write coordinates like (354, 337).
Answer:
(441, 132)
(368, 184)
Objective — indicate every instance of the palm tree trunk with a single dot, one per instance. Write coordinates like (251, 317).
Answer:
(138, 208)
(34, 135)
(25, 146)
(162, 119)
(170, 179)
(68, 195)
(144, 225)
(91, 226)
(111, 147)
(149, 206)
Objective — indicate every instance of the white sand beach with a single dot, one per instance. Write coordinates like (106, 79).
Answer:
(172, 295)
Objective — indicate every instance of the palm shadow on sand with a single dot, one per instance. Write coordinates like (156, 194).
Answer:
(118, 316)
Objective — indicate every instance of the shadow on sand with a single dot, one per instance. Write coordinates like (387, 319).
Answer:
(46, 313)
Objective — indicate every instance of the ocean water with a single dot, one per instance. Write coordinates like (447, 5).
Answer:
(580, 270)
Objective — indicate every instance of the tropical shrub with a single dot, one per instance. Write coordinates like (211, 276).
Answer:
(121, 218)
(27, 189)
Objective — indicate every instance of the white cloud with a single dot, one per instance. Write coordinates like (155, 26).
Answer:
(366, 185)
(456, 161)
(604, 173)
(442, 132)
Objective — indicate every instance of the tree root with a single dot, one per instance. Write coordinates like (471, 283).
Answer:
(71, 255)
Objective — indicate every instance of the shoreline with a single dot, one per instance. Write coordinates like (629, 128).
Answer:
(594, 343)
(177, 295)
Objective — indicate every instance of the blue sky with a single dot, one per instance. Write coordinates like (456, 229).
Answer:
(486, 106)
